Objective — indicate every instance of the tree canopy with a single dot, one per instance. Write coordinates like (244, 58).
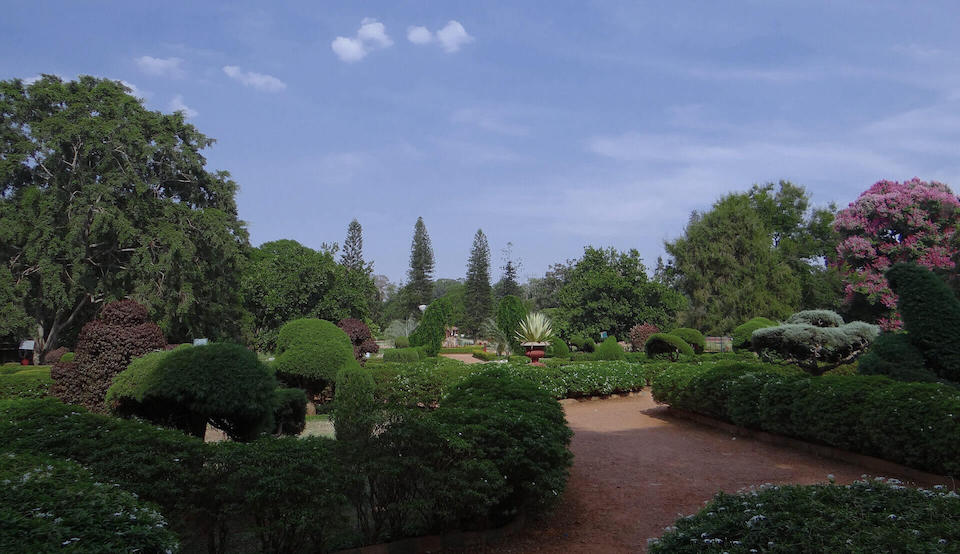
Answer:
(607, 290)
(420, 275)
(478, 295)
(102, 199)
(285, 281)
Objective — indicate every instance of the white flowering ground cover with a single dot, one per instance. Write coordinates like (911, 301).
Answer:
(869, 515)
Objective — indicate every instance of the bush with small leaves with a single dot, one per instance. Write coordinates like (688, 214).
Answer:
(360, 337)
(289, 411)
(432, 330)
(640, 333)
(354, 408)
(609, 350)
(401, 342)
(401, 355)
(893, 355)
(813, 348)
(558, 348)
(310, 352)
(105, 347)
(817, 318)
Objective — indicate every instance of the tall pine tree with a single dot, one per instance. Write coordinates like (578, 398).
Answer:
(352, 257)
(479, 295)
(508, 284)
(420, 276)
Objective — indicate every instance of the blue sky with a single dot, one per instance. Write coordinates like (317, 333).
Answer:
(549, 124)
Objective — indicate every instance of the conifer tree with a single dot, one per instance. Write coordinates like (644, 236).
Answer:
(420, 275)
(352, 257)
(479, 297)
(508, 284)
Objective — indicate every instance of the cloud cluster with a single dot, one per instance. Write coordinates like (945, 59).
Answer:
(177, 105)
(450, 37)
(259, 81)
(161, 67)
(371, 35)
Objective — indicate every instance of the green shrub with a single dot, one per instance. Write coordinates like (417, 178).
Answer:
(817, 318)
(609, 350)
(423, 352)
(574, 380)
(589, 345)
(29, 382)
(310, 352)
(432, 330)
(485, 356)
(401, 355)
(518, 359)
(401, 342)
(893, 355)
(285, 492)
(577, 342)
(68, 357)
(742, 333)
(354, 407)
(867, 516)
(556, 362)
(831, 407)
(50, 505)
(743, 398)
(581, 356)
(509, 313)
(694, 338)
(558, 348)
(931, 317)
(668, 346)
(289, 411)
(810, 346)
(520, 428)
(225, 385)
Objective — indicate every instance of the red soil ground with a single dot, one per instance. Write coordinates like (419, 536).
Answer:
(636, 469)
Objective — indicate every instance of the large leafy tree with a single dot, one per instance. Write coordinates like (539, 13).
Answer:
(102, 199)
(478, 295)
(285, 281)
(914, 221)
(607, 290)
(419, 288)
(759, 253)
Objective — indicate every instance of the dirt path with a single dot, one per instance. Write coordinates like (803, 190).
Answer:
(465, 358)
(636, 469)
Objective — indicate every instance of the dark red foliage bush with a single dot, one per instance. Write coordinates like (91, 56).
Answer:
(639, 335)
(360, 337)
(54, 355)
(104, 348)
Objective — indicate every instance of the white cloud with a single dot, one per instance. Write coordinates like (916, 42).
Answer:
(452, 36)
(373, 31)
(371, 35)
(161, 67)
(177, 105)
(348, 49)
(419, 35)
(259, 81)
(136, 92)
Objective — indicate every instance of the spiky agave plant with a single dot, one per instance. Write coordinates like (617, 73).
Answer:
(536, 327)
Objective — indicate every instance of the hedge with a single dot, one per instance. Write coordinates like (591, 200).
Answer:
(694, 338)
(866, 516)
(609, 350)
(485, 356)
(742, 333)
(403, 355)
(916, 424)
(670, 346)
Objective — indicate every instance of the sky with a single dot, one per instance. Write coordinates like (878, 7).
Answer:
(548, 124)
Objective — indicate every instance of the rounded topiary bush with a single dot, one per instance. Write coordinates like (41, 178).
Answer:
(694, 338)
(558, 348)
(743, 333)
(609, 350)
(401, 355)
(401, 342)
(817, 318)
(665, 345)
(310, 352)
(893, 355)
(360, 337)
(589, 345)
(221, 384)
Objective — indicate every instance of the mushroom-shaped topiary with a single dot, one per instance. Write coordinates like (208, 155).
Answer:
(310, 353)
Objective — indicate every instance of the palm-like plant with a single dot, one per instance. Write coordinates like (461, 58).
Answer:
(536, 327)
(493, 333)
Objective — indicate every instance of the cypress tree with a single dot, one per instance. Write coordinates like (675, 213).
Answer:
(352, 257)
(420, 275)
(479, 298)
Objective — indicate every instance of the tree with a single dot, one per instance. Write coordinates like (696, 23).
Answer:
(542, 292)
(286, 280)
(728, 266)
(510, 312)
(891, 222)
(101, 199)
(420, 275)
(607, 290)
(352, 257)
(815, 340)
(479, 297)
(508, 284)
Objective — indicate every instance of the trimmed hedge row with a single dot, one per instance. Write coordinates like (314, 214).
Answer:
(916, 424)
(866, 516)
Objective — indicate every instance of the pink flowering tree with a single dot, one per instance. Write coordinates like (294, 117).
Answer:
(913, 221)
